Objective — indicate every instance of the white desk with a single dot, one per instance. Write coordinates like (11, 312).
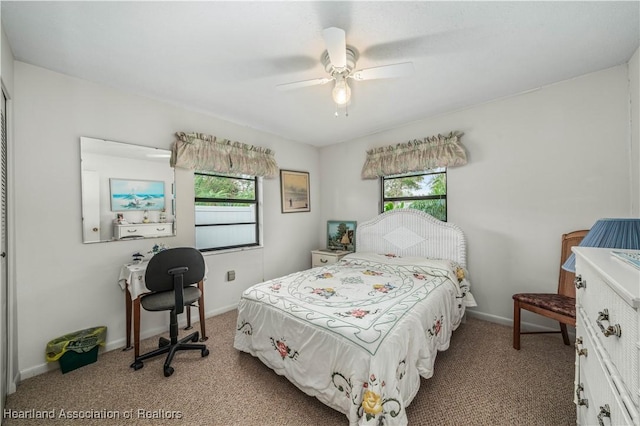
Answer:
(131, 280)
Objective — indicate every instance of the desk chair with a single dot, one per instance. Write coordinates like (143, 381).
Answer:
(170, 276)
(560, 306)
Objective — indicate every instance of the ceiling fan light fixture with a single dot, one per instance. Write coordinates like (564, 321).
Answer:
(341, 92)
(339, 61)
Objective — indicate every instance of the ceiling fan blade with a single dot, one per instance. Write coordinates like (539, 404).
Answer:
(303, 83)
(336, 41)
(386, 71)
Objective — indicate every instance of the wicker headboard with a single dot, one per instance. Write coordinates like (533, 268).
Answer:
(410, 232)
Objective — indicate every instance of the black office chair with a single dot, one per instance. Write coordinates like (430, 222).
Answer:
(170, 276)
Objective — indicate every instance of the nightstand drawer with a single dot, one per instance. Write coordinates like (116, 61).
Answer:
(326, 257)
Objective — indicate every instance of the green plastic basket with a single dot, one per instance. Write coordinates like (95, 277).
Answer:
(72, 360)
(76, 349)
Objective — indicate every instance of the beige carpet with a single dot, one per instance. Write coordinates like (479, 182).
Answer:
(479, 380)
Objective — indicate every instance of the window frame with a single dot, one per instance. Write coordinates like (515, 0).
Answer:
(384, 200)
(255, 202)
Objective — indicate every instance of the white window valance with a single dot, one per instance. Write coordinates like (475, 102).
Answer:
(415, 156)
(197, 151)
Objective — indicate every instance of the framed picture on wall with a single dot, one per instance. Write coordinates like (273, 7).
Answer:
(341, 235)
(136, 195)
(294, 191)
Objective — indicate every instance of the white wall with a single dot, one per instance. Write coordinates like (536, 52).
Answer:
(540, 164)
(634, 118)
(64, 285)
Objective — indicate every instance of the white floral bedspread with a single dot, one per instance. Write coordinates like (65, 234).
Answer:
(357, 334)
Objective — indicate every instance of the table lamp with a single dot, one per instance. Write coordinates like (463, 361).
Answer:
(609, 233)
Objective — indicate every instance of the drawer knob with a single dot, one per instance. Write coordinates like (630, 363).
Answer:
(604, 412)
(612, 330)
(579, 283)
(324, 260)
(580, 351)
(581, 401)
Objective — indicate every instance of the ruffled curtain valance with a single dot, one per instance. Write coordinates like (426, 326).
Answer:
(415, 156)
(197, 151)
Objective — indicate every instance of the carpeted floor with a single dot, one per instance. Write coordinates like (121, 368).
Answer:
(479, 380)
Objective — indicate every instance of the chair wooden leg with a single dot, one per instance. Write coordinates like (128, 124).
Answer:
(565, 334)
(516, 325)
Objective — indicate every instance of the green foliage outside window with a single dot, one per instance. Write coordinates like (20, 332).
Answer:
(223, 188)
(426, 192)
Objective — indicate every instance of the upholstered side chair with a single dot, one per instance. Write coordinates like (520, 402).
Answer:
(559, 306)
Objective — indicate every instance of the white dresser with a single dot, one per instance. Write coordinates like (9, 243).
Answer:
(324, 257)
(142, 230)
(607, 339)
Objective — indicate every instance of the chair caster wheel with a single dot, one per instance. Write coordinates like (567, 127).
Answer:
(168, 371)
(137, 365)
(205, 352)
(195, 337)
(162, 342)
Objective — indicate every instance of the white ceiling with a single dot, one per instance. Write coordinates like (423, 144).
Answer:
(225, 58)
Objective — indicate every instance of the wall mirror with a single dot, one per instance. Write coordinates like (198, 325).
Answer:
(127, 191)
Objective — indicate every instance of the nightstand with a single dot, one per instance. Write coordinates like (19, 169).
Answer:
(323, 257)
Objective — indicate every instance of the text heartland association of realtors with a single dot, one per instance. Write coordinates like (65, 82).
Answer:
(139, 413)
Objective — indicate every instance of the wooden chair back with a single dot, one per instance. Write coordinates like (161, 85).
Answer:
(566, 286)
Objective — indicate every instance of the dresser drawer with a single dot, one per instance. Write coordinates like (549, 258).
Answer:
(600, 394)
(142, 230)
(615, 325)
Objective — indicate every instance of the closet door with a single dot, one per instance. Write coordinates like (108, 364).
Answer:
(4, 331)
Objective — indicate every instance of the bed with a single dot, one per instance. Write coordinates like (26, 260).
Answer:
(359, 334)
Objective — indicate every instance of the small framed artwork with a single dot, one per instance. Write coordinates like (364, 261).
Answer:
(136, 195)
(294, 191)
(341, 235)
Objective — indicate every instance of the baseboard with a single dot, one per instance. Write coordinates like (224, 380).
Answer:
(13, 385)
(220, 310)
(117, 344)
(525, 326)
(489, 317)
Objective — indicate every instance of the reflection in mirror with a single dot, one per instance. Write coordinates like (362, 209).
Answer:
(127, 191)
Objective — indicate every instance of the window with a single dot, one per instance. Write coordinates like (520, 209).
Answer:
(424, 191)
(226, 209)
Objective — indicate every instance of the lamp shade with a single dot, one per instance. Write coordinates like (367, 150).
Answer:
(609, 233)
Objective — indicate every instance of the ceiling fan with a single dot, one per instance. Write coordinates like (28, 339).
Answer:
(339, 62)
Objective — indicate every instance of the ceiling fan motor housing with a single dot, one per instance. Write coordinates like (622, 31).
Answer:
(352, 57)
